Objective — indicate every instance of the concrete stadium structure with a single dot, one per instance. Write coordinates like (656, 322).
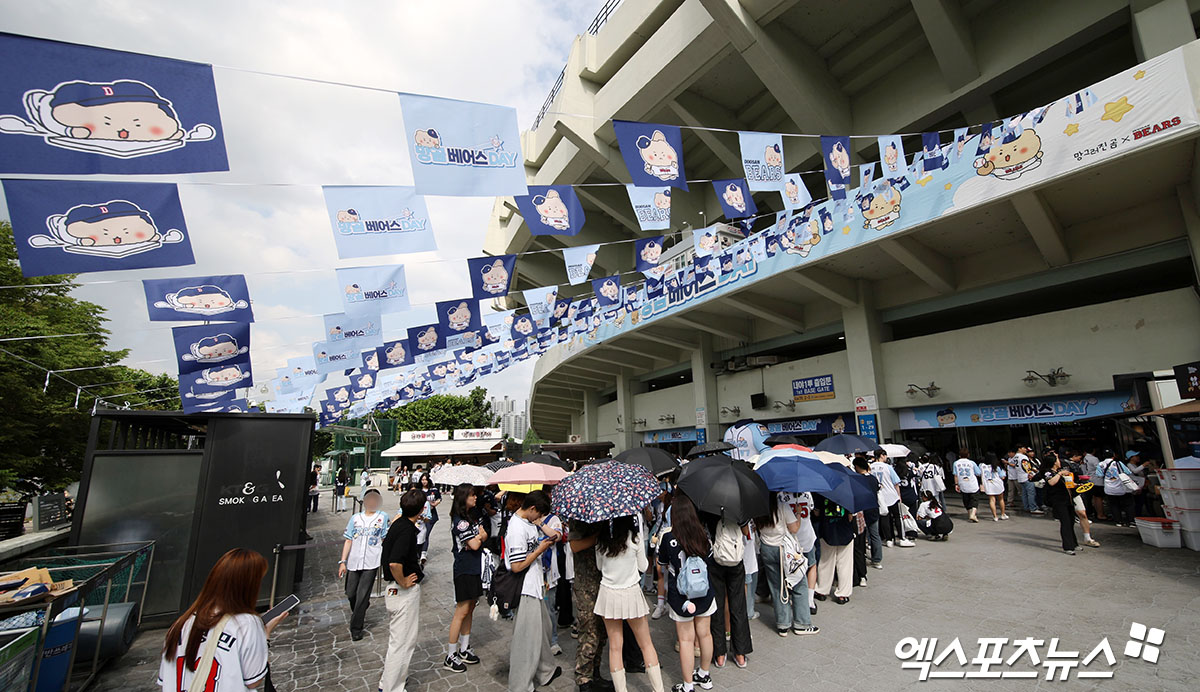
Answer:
(1094, 275)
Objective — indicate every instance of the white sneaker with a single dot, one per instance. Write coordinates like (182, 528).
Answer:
(556, 649)
(1004, 516)
(659, 611)
(995, 518)
(905, 543)
(890, 544)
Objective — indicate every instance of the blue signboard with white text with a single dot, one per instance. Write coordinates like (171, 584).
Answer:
(813, 388)
(1058, 409)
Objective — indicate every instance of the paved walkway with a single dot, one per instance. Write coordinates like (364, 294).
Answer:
(1005, 579)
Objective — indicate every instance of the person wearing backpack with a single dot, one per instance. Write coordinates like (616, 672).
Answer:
(727, 574)
(777, 552)
(1116, 489)
(621, 559)
(682, 553)
(835, 528)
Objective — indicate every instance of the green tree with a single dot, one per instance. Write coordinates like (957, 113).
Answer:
(44, 435)
(531, 439)
(445, 412)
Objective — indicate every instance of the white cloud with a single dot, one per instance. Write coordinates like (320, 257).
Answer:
(281, 130)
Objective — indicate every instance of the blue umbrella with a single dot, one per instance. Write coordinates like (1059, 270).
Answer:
(854, 492)
(846, 444)
(795, 471)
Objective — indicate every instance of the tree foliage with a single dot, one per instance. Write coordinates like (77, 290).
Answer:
(445, 412)
(44, 435)
(531, 439)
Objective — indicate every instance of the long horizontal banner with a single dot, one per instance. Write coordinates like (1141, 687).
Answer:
(1058, 409)
(1139, 107)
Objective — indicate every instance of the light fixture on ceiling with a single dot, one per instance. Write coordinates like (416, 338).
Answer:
(667, 418)
(1053, 378)
(930, 391)
(790, 405)
(639, 421)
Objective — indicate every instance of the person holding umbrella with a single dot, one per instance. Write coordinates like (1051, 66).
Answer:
(682, 551)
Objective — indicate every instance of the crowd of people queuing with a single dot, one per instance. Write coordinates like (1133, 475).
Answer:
(705, 572)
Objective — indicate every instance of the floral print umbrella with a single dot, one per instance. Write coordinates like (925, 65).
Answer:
(603, 491)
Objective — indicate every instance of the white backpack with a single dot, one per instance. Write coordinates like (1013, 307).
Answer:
(728, 546)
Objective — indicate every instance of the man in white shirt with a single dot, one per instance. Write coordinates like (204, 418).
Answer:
(889, 496)
(966, 482)
(361, 554)
(530, 661)
(1022, 465)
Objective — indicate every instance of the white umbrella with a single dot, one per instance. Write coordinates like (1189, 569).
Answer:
(457, 475)
(895, 450)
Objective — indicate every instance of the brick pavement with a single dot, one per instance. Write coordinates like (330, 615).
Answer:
(1004, 579)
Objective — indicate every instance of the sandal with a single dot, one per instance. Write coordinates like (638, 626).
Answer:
(742, 664)
(841, 600)
(819, 596)
(719, 661)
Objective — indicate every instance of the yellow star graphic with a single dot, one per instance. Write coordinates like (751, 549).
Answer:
(949, 185)
(925, 181)
(1115, 110)
(1071, 129)
(845, 230)
(1139, 74)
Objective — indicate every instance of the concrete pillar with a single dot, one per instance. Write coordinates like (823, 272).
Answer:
(626, 390)
(587, 420)
(704, 388)
(864, 333)
(1159, 27)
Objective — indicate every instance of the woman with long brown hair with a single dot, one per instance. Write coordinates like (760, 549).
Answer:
(224, 609)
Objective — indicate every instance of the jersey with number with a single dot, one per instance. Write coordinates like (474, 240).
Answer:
(365, 534)
(802, 506)
(749, 439)
(966, 474)
(240, 660)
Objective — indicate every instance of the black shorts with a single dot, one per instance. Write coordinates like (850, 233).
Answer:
(969, 500)
(467, 587)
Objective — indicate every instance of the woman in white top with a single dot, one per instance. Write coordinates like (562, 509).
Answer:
(791, 603)
(992, 474)
(932, 520)
(621, 559)
(225, 610)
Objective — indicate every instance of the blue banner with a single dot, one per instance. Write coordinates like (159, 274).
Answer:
(72, 109)
(336, 356)
(651, 206)
(523, 327)
(369, 221)
(223, 298)
(490, 276)
(72, 227)
(832, 424)
(647, 252)
(579, 260)
(227, 375)
(551, 210)
(425, 339)
(394, 354)
(705, 241)
(868, 426)
(836, 153)
(736, 200)
(762, 160)
(206, 345)
(194, 399)
(460, 148)
(652, 153)
(373, 290)
(795, 192)
(1056, 409)
(365, 329)
(456, 319)
(608, 291)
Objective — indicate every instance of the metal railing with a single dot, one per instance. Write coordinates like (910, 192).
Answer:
(594, 28)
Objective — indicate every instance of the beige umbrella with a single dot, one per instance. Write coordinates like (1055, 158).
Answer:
(831, 458)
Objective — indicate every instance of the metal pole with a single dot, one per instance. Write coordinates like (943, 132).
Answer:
(275, 573)
(146, 584)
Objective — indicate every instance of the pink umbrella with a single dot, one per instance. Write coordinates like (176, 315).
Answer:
(530, 473)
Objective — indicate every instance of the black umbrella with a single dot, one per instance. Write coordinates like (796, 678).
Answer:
(497, 465)
(659, 461)
(776, 440)
(544, 458)
(722, 485)
(915, 447)
(846, 444)
(709, 448)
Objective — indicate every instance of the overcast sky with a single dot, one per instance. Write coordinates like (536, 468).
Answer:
(306, 134)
